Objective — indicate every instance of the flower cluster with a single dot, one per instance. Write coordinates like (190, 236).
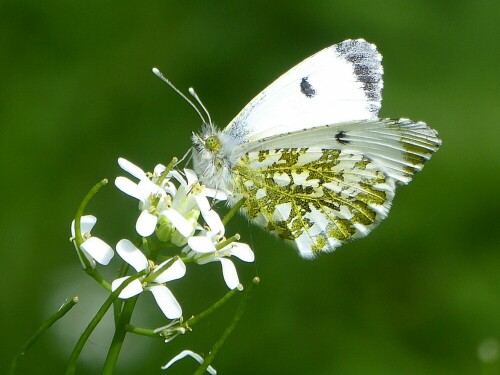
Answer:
(171, 205)
(177, 225)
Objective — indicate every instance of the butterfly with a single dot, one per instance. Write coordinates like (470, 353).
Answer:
(309, 154)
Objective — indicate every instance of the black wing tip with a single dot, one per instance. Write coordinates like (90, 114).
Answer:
(359, 46)
(367, 68)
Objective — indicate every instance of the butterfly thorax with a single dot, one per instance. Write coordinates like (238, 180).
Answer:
(212, 160)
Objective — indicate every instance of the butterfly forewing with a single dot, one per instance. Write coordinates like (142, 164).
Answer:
(338, 84)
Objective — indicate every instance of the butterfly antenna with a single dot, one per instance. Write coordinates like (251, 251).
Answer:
(186, 155)
(198, 100)
(162, 77)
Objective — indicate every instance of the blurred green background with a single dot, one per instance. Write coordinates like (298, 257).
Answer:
(418, 296)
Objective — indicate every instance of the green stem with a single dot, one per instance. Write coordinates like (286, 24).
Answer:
(93, 323)
(167, 169)
(237, 316)
(218, 247)
(228, 241)
(89, 269)
(119, 337)
(160, 270)
(81, 208)
(191, 322)
(170, 331)
(46, 325)
(186, 325)
(92, 272)
(142, 331)
(233, 211)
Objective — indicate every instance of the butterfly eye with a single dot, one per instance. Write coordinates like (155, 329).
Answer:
(213, 143)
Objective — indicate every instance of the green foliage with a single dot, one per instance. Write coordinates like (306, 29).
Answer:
(419, 295)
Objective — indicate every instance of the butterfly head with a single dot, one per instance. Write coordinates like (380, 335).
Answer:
(211, 156)
(207, 140)
(212, 143)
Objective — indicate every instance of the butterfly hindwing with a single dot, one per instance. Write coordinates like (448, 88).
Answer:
(317, 198)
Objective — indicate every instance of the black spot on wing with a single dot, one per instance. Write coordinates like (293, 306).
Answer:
(341, 137)
(306, 88)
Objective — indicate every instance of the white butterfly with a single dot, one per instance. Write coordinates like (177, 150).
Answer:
(309, 154)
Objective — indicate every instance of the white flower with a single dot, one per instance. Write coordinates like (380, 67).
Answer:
(173, 212)
(154, 200)
(203, 249)
(192, 354)
(172, 330)
(198, 194)
(93, 248)
(163, 296)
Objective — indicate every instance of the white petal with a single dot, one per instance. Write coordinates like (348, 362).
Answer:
(131, 168)
(203, 203)
(178, 177)
(98, 249)
(87, 222)
(129, 188)
(191, 177)
(242, 251)
(216, 194)
(179, 222)
(159, 169)
(169, 188)
(132, 289)
(192, 354)
(132, 255)
(147, 187)
(229, 273)
(209, 215)
(166, 301)
(176, 271)
(201, 244)
(213, 220)
(146, 224)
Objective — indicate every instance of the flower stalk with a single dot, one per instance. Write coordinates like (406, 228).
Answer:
(229, 329)
(119, 336)
(63, 310)
(71, 368)
(177, 226)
